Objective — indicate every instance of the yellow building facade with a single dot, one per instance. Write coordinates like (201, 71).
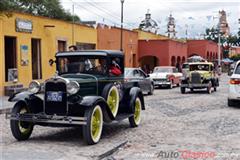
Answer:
(28, 42)
(143, 35)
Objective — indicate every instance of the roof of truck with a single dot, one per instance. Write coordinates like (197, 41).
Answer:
(112, 53)
(192, 63)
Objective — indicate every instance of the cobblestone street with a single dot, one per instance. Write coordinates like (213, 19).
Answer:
(172, 122)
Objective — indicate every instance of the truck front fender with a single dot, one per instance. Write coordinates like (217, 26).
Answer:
(34, 102)
(22, 96)
(89, 101)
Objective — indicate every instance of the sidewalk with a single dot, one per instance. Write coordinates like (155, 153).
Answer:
(5, 106)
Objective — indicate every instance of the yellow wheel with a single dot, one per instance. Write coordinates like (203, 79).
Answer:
(93, 130)
(21, 130)
(136, 118)
(111, 95)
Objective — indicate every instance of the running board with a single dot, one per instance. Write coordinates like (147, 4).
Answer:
(123, 116)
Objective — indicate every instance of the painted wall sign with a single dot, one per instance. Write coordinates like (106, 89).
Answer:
(24, 55)
(23, 25)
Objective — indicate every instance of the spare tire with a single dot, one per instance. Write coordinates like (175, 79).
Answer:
(111, 95)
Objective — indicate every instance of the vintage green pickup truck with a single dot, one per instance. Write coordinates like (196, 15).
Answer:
(88, 89)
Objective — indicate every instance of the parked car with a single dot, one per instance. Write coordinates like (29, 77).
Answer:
(234, 86)
(201, 75)
(140, 78)
(87, 90)
(166, 76)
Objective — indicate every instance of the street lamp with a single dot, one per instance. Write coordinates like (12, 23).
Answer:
(219, 48)
(121, 38)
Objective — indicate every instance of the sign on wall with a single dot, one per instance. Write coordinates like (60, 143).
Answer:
(23, 25)
(24, 55)
(12, 75)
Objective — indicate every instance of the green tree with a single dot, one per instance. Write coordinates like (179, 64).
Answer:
(47, 8)
(226, 42)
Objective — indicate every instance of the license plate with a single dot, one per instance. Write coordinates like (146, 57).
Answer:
(54, 96)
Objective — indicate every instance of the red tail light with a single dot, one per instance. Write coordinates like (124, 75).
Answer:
(234, 81)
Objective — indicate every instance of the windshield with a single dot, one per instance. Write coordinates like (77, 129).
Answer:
(162, 70)
(185, 66)
(83, 64)
(237, 71)
(200, 67)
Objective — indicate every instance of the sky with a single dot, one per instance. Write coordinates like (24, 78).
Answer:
(191, 15)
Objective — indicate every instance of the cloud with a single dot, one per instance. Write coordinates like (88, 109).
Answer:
(198, 14)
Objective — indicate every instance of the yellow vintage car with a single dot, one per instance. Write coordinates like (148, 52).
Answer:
(200, 75)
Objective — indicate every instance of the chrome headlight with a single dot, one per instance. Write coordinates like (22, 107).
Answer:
(34, 87)
(73, 87)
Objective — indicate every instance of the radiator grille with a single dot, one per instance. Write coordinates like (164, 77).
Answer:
(56, 107)
(195, 78)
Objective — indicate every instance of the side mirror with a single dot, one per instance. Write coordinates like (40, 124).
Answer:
(51, 61)
(148, 75)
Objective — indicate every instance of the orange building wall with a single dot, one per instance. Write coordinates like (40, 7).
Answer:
(178, 50)
(164, 50)
(109, 38)
(205, 48)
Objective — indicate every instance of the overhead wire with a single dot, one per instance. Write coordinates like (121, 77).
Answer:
(110, 19)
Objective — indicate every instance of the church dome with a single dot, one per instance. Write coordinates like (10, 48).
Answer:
(148, 24)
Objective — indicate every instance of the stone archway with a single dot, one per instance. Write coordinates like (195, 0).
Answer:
(178, 64)
(183, 59)
(208, 56)
(193, 54)
(173, 61)
(147, 63)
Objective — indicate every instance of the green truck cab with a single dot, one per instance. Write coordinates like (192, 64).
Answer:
(87, 90)
(198, 76)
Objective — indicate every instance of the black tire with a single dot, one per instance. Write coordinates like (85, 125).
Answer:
(88, 132)
(215, 89)
(183, 90)
(135, 120)
(171, 85)
(209, 88)
(151, 90)
(231, 103)
(108, 89)
(21, 130)
(178, 84)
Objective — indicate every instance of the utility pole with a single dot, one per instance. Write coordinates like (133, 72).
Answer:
(186, 32)
(239, 27)
(219, 48)
(219, 42)
(73, 21)
(121, 38)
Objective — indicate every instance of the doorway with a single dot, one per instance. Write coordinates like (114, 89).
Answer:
(62, 45)
(36, 59)
(10, 55)
(134, 60)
